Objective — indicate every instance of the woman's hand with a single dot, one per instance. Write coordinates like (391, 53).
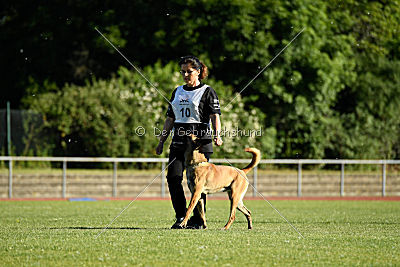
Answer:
(168, 125)
(218, 141)
(159, 148)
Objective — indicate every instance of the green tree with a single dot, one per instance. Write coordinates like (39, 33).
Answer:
(102, 117)
(369, 122)
(312, 98)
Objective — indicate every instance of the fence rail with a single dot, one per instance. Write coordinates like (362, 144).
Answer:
(115, 161)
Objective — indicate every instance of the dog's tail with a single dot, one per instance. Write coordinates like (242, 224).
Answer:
(254, 161)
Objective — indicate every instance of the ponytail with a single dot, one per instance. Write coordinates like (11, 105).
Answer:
(203, 71)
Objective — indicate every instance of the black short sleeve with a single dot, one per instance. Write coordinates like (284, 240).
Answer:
(211, 105)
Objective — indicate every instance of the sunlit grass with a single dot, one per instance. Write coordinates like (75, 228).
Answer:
(64, 233)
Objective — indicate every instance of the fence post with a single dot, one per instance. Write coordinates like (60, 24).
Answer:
(64, 179)
(114, 186)
(255, 181)
(342, 180)
(8, 128)
(10, 180)
(384, 179)
(163, 179)
(299, 180)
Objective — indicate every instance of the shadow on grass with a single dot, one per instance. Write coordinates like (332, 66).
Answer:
(328, 222)
(98, 228)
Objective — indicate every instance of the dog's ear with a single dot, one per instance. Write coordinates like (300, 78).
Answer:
(193, 137)
(197, 143)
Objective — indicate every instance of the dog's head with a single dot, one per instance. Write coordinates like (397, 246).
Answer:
(192, 153)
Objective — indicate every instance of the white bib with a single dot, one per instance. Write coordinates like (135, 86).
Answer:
(186, 104)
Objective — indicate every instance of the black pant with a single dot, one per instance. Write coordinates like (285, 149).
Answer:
(174, 180)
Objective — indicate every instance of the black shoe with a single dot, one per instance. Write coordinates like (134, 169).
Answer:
(195, 223)
(176, 225)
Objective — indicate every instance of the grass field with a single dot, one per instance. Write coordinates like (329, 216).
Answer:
(48, 233)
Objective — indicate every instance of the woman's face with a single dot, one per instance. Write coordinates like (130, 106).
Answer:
(190, 75)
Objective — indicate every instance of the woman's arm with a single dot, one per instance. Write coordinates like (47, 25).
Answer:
(168, 125)
(216, 124)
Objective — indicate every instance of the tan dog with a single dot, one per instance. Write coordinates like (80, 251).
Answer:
(207, 178)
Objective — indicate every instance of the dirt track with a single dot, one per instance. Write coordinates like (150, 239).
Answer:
(360, 198)
(280, 185)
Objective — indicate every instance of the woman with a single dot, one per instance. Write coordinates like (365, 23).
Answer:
(191, 109)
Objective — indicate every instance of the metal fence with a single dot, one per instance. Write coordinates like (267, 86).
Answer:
(163, 161)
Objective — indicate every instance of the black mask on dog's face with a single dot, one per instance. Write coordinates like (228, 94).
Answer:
(192, 145)
(195, 144)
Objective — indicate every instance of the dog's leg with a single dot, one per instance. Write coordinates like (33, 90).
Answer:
(201, 209)
(234, 202)
(238, 190)
(246, 213)
(198, 188)
(232, 215)
(243, 208)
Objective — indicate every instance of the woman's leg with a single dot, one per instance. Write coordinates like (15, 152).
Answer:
(174, 180)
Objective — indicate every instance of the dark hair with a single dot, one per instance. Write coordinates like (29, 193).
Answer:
(197, 64)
